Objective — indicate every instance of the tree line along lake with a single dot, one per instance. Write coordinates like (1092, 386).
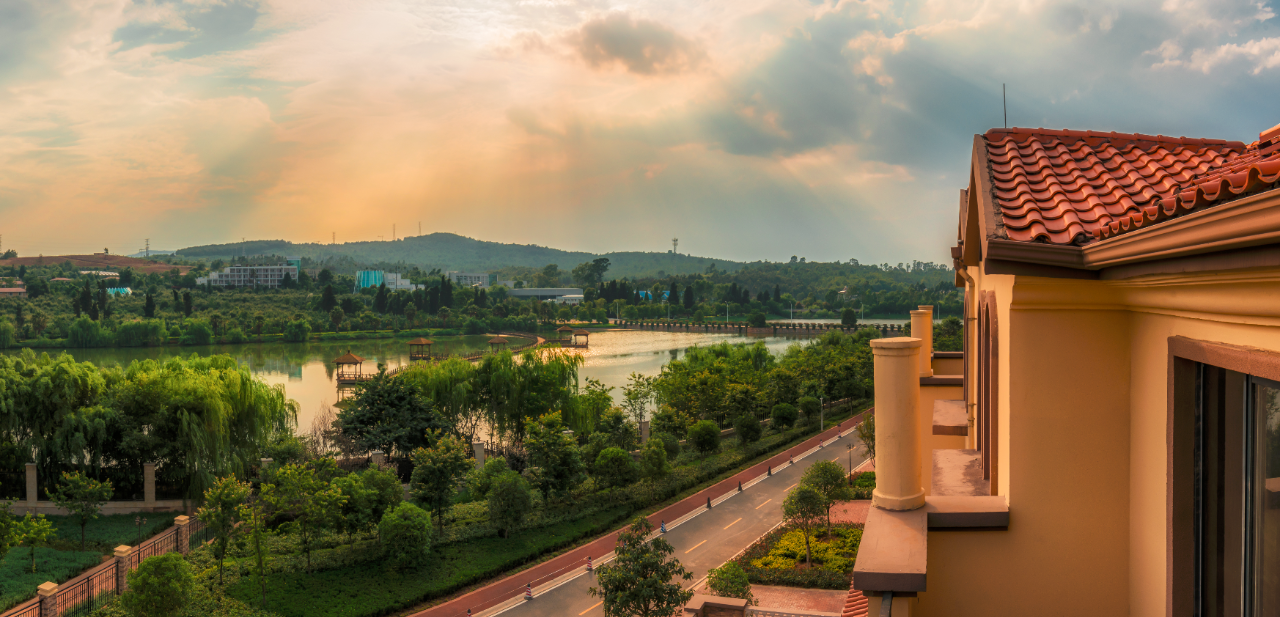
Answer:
(307, 372)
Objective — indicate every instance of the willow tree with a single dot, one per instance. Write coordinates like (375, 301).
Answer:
(452, 386)
(512, 390)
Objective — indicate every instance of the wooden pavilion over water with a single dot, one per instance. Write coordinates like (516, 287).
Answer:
(574, 342)
(420, 349)
(497, 344)
(350, 368)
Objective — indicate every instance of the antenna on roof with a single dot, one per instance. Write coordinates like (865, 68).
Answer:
(1004, 102)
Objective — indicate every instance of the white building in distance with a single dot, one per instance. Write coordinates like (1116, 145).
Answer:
(249, 276)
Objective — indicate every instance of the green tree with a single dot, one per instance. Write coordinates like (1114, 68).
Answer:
(8, 335)
(615, 467)
(642, 580)
(619, 430)
(828, 478)
(590, 273)
(32, 531)
(482, 479)
(149, 307)
(804, 508)
(253, 527)
(784, 416)
(747, 428)
(730, 581)
(509, 502)
(388, 414)
(309, 504)
(757, 320)
(336, 315)
(187, 304)
(704, 436)
(297, 331)
(81, 496)
(867, 435)
(437, 471)
(221, 512)
(653, 460)
(325, 277)
(405, 533)
(328, 301)
(160, 587)
(554, 453)
(849, 318)
(811, 408)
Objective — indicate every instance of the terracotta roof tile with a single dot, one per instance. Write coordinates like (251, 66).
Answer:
(1070, 187)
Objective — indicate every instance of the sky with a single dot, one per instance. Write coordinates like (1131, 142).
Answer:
(749, 129)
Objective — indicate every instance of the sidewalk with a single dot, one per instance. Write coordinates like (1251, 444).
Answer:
(502, 590)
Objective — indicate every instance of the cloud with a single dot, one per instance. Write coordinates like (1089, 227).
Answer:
(641, 46)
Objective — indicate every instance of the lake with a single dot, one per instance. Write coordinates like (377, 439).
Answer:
(307, 372)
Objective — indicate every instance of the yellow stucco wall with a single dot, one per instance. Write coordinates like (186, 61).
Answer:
(1082, 458)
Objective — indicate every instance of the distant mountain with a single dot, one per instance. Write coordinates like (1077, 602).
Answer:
(143, 254)
(453, 252)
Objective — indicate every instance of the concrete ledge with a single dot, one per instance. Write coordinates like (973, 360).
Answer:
(942, 380)
(711, 606)
(893, 552)
(949, 418)
(991, 512)
(958, 473)
(958, 355)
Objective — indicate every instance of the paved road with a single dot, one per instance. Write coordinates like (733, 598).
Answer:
(701, 543)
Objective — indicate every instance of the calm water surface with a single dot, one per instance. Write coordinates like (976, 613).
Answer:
(307, 372)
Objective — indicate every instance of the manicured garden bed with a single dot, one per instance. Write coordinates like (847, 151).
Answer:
(778, 558)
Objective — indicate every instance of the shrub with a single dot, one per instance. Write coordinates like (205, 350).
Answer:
(482, 479)
(653, 460)
(509, 501)
(197, 332)
(747, 428)
(160, 587)
(85, 332)
(405, 533)
(756, 320)
(730, 581)
(297, 331)
(669, 443)
(810, 407)
(773, 559)
(236, 335)
(615, 467)
(705, 436)
(784, 416)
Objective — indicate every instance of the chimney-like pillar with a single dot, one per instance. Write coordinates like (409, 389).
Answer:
(897, 390)
(922, 327)
(33, 494)
(478, 448)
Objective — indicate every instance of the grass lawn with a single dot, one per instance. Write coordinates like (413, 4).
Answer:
(106, 532)
(371, 588)
(17, 582)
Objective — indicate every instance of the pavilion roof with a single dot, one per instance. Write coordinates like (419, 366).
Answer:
(349, 358)
(421, 341)
(497, 340)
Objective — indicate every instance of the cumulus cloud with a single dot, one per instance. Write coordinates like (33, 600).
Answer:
(641, 46)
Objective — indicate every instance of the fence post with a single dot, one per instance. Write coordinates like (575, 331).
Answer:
(149, 484)
(122, 568)
(33, 494)
(478, 448)
(378, 458)
(644, 431)
(48, 594)
(184, 533)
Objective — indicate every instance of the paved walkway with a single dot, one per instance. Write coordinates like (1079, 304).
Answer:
(703, 538)
(795, 598)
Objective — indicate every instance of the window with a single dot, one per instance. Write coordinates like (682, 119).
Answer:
(1236, 500)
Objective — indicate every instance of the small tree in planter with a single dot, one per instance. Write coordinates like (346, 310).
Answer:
(805, 508)
(730, 581)
(160, 587)
(32, 531)
(81, 496)
(640, 581)
(828, 478)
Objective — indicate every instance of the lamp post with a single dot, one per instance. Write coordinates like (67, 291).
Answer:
(793, 311)
(726, 313)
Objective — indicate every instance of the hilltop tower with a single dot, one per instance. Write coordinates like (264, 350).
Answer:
(675, 245)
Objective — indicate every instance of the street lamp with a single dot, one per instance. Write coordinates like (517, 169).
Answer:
(793, 311)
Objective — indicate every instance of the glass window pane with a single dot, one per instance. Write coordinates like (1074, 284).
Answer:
(1266, 574)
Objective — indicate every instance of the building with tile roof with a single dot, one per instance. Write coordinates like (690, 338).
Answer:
(1111, 444)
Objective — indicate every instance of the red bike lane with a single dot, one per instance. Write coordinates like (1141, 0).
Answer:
(514, 585)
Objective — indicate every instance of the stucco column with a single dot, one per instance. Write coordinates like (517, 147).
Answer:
(920, 327)
(897, 379)
(122, 568)
(33, 494)
(478, 448)
(149, 484)
(926, 337)
(184, 533)
(48, 594)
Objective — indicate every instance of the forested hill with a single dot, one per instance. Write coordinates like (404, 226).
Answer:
(453, 252)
